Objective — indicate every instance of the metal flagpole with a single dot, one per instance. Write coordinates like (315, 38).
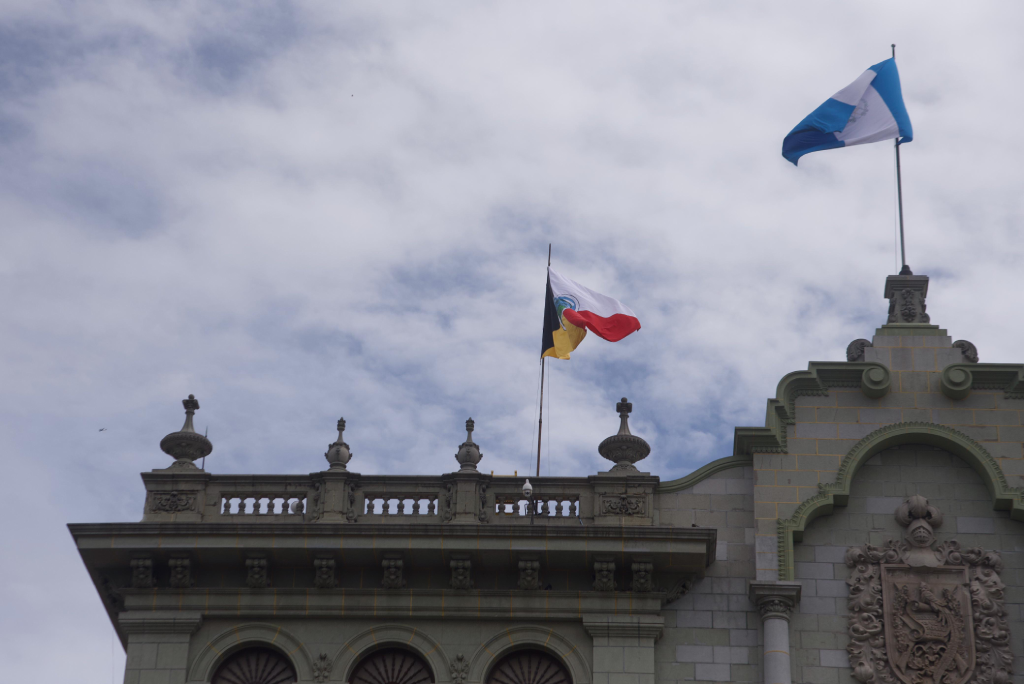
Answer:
(540, 419)
(899, 194)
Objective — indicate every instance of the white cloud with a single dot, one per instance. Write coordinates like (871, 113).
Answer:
(298, 214)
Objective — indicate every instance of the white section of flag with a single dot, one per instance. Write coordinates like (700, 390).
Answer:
(588, 300)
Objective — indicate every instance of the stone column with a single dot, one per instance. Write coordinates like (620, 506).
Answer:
(624, 647)
(158, 644)
(775, 601)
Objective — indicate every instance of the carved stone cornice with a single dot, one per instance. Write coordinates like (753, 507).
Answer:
(775, 600)
(958, 379)
(159, 622)
(633, 626)
(873, 379)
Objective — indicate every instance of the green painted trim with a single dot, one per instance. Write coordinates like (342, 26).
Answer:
(958, 379)
(837, 493)
(872, 378)
(704, 472)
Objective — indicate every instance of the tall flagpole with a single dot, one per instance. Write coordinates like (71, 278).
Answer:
(899, 194)
(540, 419)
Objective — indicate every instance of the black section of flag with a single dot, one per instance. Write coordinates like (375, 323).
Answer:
(551, 323)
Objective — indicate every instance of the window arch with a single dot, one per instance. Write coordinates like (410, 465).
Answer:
(392, 666)
(530, 666)
(255, 666)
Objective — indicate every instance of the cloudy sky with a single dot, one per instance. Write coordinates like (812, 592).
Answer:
(300, 212)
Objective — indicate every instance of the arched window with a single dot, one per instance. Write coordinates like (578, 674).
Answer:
(255, 666)
(392, 666)
(529, 667)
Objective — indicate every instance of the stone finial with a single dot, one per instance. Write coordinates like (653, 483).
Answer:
(186, 445)
(624, 448)
(855, 350)
(338, 453)
(469, 452)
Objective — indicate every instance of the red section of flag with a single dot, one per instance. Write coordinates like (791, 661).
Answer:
(613, 328)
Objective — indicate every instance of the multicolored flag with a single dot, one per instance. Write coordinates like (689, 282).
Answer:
(571, 309)
(868, 110)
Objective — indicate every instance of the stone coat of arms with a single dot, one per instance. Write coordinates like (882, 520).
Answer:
(922, 612)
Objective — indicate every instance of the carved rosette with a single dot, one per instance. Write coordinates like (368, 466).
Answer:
(461, 577)
(926, 611)
(529, 575)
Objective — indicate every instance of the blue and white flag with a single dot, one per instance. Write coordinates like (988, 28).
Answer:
(868, 110)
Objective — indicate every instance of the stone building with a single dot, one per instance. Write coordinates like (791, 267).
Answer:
(868, 532)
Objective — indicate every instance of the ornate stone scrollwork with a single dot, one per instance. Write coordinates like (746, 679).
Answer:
(322, 668)
(173, 502)
(392, 578)
(181, 573)
(257, 573)
(623, 504)
(969, 351)
(775, 608)
(923, 611)
(460, 669)
(324, 573)
(678, 590)
(461, 574)
(142, 573)
(855, 350)
(448, 503)
(604, 576)
(529, 575)
(643, 576)
(482, 514)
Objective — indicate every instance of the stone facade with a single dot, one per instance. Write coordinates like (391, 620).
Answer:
(739, 572)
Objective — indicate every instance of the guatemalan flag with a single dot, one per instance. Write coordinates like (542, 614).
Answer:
(571, 309)
(868, 110)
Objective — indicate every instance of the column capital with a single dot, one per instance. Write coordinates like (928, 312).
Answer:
(775, 600)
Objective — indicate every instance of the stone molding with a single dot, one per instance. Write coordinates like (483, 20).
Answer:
(390, 636)
(529, 636)
(775, 600)
(429, 604)
(873, 379)
(837, 493)
(625, 626)
(706, 471)
(159, 622)
(247, 635)
(958, 379)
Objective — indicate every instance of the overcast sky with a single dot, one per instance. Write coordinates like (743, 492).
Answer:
(343, 209)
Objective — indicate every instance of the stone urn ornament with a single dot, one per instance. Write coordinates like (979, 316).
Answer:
(624, 449)
(186, 445)
(338, 453)
(469, 452)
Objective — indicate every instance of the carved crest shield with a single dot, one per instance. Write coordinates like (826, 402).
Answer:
(922, 612)
(930, 633)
